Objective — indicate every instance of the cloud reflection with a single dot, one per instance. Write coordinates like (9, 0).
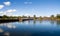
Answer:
(8, 25)
(6, 34)
(11, 26)
(1, 30)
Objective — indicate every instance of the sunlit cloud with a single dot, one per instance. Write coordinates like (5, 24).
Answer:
(8, 12)
(27, 14)
(2, 13)
(7, 3)
(11, 10)
(1, 6)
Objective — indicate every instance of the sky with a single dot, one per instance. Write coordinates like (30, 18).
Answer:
(29, 7)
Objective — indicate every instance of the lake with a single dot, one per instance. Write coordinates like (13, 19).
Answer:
(30, 28)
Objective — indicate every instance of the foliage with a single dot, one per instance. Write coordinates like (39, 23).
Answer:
(52, 15)
(4, 16)
(58, 16)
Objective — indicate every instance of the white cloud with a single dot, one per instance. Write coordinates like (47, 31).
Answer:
(1, 12)
(7, 3)
(7, 12)
(1, 6)
(11, 10)
(27, 14)
(27, 2)
(30, 2)
(14, 10)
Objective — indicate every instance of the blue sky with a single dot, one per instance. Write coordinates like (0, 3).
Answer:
(29, 7)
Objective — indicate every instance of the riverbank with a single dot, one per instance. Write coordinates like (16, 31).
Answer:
(8, 20)
(2, 20)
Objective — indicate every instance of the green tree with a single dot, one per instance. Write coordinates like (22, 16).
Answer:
(58, 16)
(40, 18)
(4, 16)
(28, 16)
(34, 17)
(52, 17)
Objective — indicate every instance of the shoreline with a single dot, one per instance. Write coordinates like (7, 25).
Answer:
(14, 20)
(8, 20)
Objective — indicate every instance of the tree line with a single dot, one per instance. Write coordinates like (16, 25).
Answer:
(52, 16)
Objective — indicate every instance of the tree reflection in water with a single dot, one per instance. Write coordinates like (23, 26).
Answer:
(34, 22)
(52, 22)
(40, 21)
(58, 22)
(7, 29)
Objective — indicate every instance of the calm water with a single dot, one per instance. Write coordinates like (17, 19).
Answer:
(30, 28)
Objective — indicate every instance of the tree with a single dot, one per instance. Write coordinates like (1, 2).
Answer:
(28, 16)
(34, 17)
(52, 17)
(4, 16)
(58, 16)
(40, 18)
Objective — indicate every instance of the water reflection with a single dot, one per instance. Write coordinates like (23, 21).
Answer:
(52, 21)
(6, 34)
(1, 30)
(34, 21)
(32, 27)
(11, 26)
(6, 27)
(58, 22)
(40, 21)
